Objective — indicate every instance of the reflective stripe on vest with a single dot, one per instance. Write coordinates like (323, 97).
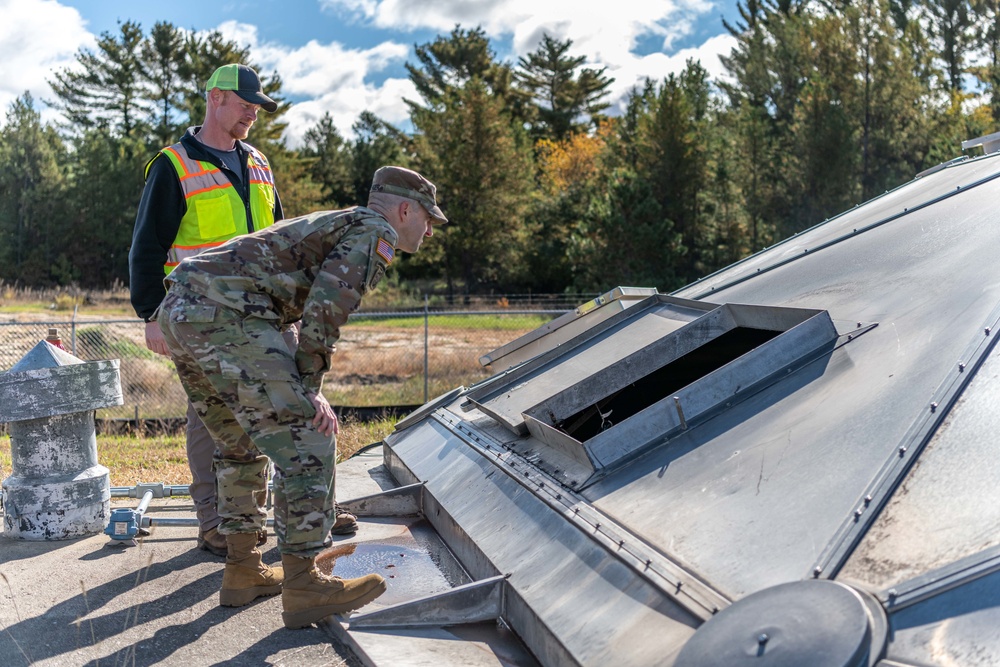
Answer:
(215, 212)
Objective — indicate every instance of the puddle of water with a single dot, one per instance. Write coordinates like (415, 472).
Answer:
(413, 561)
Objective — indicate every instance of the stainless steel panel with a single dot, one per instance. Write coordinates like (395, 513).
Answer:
(552, 564)
(948, 508)
(565, 327)
(469, 603)
(958, 627)
(479, 645)
(751, 498)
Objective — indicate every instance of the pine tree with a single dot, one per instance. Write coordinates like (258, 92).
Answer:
(562, 91)
(163, 56)
(32, 187)
(109, 85)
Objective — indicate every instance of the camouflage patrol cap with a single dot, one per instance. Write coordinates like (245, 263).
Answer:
(409, 184)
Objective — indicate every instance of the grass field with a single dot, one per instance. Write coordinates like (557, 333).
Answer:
(132, 460)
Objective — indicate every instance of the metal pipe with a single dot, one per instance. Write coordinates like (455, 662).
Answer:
(148, 521)
(146, 497)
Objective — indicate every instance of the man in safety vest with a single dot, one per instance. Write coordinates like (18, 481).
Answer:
(207, 188)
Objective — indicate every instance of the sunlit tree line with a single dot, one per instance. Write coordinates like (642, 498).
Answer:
(825, 103)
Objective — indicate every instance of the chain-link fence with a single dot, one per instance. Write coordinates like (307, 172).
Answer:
(382, 359)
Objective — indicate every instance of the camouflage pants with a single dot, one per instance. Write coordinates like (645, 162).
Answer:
(245, 386)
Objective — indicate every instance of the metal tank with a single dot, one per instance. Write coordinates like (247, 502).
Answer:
(793, 461)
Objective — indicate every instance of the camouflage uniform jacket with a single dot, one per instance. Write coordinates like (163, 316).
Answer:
(315, 268)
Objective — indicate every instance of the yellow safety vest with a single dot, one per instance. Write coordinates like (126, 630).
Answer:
(215, 212)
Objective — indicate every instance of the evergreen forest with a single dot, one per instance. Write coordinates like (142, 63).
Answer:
(826, 103)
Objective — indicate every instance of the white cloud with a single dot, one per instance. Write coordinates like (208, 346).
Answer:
(606, 37)
(385, 101)
(605, 34)
(656, 66)
(37, 38)
(329, 78)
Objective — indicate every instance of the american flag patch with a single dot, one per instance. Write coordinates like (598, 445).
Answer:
(385, 251)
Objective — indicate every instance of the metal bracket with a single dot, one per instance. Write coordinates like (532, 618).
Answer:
(400, 501)
(472, 603)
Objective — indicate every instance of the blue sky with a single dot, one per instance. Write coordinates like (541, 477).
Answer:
(346, 56)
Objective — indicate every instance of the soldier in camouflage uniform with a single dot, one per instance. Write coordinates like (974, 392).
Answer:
(222, 321)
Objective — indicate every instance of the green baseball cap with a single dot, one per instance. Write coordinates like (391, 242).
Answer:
(243, 81)
(408, 183)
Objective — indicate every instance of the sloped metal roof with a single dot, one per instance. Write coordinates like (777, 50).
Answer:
(820, 487)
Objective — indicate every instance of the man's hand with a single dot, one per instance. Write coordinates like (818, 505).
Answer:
(154, 339)
(325, 420)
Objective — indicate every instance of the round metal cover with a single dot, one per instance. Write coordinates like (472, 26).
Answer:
(816, 622)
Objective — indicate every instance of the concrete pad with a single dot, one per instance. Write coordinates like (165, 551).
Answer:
(81, 602)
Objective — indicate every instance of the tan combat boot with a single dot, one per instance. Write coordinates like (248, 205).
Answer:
(246, 578)
(309, 595)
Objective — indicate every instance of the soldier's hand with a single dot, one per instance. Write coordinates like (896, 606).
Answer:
(325, 420)
(154, 339)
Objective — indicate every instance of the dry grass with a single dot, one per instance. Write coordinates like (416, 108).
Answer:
(18, 298)
(132, 460)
